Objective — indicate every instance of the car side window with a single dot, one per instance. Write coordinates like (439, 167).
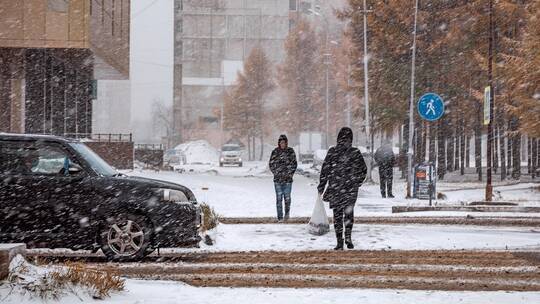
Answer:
(17, 158)
(52, 160)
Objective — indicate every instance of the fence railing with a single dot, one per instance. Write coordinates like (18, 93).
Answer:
(149, 147)
(102, 137)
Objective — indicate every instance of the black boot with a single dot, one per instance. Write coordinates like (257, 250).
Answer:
(339, 238)
(339, 245)
(348, 239)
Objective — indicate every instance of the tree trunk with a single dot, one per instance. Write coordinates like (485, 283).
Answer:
(478, 146)
(534, 164)
(509, 139)
(467, 151)
(462, 149)
(450, 152)
(253, 146)
(249, 147)
(503, 151)
(441, 153)
(457, 139)
(494, 148)
(529, 155)
(404, 149)
(262, 147)
(516, 154)
(516, 149)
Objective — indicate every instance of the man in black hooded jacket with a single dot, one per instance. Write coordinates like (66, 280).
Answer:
(283, 165)
(344, 171)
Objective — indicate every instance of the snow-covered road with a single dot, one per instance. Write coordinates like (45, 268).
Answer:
(249, 192)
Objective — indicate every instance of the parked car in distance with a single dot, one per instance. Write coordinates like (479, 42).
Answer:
(308, 143)
(231, 154)
(57, 193)
(173, 158)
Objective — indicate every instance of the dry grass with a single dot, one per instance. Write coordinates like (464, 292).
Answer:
(211, 218)
(53, 284)
(101, 282)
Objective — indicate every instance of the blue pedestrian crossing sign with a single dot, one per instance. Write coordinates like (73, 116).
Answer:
(430, 107)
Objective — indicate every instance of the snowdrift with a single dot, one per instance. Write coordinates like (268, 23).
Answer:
(199, 152)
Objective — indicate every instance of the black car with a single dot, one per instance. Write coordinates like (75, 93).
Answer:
(57, 193)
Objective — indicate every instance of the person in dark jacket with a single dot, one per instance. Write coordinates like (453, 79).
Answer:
(342, 173)
(385, 158)
(283, 165)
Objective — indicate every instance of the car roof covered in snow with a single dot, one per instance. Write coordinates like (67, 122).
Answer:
(34, 137)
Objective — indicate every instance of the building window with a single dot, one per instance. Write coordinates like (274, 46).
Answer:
(59, 6)
(292, 5)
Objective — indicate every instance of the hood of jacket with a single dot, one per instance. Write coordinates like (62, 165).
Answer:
(283, 137)
(345, 137)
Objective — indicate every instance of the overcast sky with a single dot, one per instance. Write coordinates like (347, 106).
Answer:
(151, 56)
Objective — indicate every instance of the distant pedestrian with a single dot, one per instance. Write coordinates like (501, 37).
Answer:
(283, 165)
(385, 158)
(344, 171)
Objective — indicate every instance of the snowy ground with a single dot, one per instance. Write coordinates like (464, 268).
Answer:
(373, 237)
(161, 292)
(249, 192)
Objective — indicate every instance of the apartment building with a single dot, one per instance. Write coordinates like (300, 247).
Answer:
(52, 52)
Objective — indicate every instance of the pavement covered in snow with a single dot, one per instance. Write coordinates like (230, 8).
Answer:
(249, 192)
(161, 292)
(373, 237)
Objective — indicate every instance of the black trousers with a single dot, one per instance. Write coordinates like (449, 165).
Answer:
(386, 175)
(343, 216)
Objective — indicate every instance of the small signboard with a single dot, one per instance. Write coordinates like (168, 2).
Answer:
(424, 181)
(430, 107)
(487, 104)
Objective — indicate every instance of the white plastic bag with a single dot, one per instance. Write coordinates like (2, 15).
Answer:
(318, 224)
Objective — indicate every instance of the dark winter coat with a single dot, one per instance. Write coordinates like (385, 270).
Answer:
(343, 170)
(283, 163)
(385, 158)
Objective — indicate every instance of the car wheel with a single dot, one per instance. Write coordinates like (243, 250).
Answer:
(240, 165)
(221, 164)
(126, 238)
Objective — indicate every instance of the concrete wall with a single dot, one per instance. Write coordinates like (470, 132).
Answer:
(117, 154)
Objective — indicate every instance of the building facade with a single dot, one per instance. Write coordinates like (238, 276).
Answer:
(211, 41)
(52, 52)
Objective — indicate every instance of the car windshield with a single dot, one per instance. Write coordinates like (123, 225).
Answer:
(97, 163)
(231, 148)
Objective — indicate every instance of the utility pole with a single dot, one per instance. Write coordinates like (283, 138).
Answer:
(327, 63)
(411, 107)
(489, 186)
(348, 96)
(369, 148)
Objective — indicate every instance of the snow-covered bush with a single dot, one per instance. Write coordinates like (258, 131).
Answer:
(51, 283)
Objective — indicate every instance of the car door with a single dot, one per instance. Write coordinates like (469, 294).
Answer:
(23, 194)
(70, 197)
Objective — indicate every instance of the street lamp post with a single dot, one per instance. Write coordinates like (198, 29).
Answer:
(366, 95)
(411, 107)
(327, 63)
